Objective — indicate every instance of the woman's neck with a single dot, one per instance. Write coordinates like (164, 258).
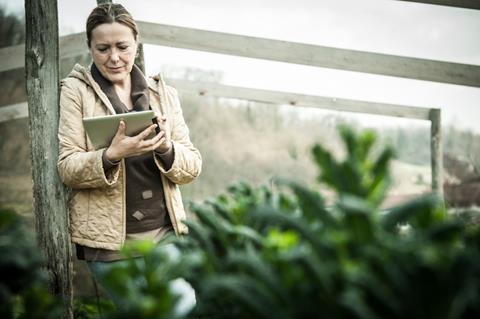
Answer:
(124, 90)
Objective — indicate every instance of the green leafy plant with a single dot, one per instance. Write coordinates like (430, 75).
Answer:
(259, 253)
(149, 284)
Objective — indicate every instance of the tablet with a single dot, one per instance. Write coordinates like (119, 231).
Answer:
(102, 129)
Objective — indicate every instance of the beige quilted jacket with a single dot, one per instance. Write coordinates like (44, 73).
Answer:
(97, 201)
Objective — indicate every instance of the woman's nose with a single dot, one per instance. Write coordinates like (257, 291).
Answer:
(114, 56)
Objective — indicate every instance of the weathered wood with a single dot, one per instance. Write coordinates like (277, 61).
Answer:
(308, 54)
(13, 112)
(73, 45)
(51, 217)
(70, 45)
(466, 4)
(140, 58)
(436, 151)
(291, 52)
(12, 57)
(275, 97)
(433, 115)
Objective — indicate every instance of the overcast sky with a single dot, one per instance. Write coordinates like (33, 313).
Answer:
(386, 26)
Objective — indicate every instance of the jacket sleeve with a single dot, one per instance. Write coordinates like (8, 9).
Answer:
(77, 167)
(187, 161)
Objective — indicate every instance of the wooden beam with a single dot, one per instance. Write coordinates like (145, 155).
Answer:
(50, 204)
(312, 55)
(74, 44)
(70, 45)
(12, 57)
(264, 96)
(276, 97)
(465, 4)
(13, 112)
(273, 97)
(291, 52)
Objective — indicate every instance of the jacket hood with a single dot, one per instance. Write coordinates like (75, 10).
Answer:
(81, 73)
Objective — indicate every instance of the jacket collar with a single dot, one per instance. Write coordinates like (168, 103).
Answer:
(139, 94)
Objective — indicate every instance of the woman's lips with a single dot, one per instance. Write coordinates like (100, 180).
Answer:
(115, 70)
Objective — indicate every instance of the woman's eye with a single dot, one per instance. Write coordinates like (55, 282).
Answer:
(102, 49)
(123, 48)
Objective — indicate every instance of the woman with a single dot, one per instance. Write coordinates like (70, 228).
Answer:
(128, 190)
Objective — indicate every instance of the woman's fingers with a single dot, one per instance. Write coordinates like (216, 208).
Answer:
(154, 140)
(146, 132)
(161, 120)
(139, 144)
(121, 128)
(159, 143)
(146, 145)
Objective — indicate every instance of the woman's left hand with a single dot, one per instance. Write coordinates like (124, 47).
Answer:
(165, 142)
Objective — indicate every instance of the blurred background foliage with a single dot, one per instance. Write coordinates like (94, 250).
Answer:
(23, 288)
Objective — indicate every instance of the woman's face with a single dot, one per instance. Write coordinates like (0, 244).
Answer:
(113, 49)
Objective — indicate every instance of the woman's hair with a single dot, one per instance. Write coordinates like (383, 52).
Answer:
(110, 13)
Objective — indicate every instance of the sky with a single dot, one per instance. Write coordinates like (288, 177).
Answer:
(384, 26)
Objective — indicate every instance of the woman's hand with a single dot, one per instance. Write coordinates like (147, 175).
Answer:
(125, 146)
(165, 143)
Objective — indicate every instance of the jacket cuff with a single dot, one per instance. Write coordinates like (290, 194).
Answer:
(111, 169)
(166, 158)
(182, 170)
(107, 164)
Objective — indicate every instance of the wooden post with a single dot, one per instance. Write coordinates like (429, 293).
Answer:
(51, 216)
(436, 151)
(140, 58)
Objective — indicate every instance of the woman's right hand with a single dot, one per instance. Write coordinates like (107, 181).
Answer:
(125, 146)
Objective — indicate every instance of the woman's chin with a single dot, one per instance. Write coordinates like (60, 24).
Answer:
(117, 77)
